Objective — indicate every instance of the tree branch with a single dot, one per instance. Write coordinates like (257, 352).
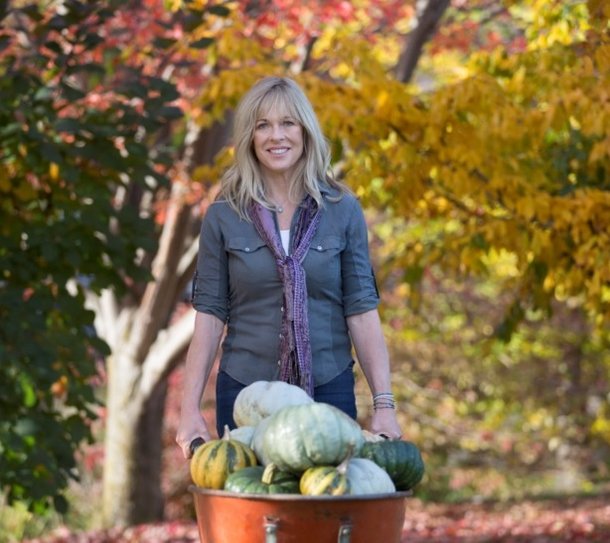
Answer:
(429, 14)
(167, 352)
(160, 294)
(187, 265)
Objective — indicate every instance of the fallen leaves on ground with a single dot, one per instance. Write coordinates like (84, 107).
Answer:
(544, 521)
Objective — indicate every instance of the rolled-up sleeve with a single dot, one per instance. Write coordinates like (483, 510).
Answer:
(210, 284)
(359, 288)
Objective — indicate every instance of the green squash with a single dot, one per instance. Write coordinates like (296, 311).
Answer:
(262, 480)
(298, 437)
(402, 461)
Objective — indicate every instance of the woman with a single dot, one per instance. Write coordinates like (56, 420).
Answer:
(284, 264)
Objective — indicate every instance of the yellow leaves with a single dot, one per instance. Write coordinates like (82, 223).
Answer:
(53, 171)
(600, 151)
(173, 5)
(602, 58)
(553, 22)
(541, 242)
(601, 427)
(526, 208)
(383, 104)
(342, 70)
(599, 13)
(224, 91)
(349, 57)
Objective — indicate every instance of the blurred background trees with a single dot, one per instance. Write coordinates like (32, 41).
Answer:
(477, 135)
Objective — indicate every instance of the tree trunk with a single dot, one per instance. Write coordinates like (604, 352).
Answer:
(122, 415)
(146, 347)
(147, 499)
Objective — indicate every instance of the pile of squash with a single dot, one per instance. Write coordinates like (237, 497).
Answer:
(286, 443)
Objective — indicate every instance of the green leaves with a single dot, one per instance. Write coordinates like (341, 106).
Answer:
(73, 131)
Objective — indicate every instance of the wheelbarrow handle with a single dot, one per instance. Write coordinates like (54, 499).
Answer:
(271, 528)
(197, 442)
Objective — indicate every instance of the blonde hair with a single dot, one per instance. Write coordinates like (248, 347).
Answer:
(242, 183)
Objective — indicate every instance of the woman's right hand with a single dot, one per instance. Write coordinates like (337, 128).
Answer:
(189, 428)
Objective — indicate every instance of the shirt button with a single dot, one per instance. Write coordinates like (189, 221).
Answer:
(319, 247)
(281, 336)
(279, 363)
(247, 249)
(282, 309)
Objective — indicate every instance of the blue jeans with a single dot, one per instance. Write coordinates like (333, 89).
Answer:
(338, 392)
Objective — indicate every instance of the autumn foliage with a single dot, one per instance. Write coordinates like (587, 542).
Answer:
(484, 177)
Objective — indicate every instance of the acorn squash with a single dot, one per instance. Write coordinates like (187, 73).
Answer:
(213, 461)
(325, 480)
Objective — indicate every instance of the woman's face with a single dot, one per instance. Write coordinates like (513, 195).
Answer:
(278, 142)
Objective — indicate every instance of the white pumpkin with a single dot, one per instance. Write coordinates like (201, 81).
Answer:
(243, 434)
(257, 442)
(366, 477)
(263, 398)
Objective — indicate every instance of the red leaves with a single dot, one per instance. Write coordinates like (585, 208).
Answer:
(545, 521)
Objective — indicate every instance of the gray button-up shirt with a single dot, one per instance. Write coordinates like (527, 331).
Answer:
(237, 281)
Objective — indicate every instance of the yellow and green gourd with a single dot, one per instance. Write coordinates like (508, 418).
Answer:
(325, 481)
(213, 461)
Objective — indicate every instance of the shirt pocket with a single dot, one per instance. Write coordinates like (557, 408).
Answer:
(243, 244)
(326, 245)
(249, 260)
(323, 261)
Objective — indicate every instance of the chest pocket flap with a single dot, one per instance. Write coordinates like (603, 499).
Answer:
(327, 243)
(244, 244)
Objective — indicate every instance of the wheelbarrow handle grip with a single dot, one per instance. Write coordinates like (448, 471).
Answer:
(197, 442)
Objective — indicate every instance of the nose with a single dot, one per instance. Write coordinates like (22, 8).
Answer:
(277, 132)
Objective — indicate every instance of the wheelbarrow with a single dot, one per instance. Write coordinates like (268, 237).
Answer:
(229, 517)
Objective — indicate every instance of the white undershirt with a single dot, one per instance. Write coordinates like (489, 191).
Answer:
(285, 235)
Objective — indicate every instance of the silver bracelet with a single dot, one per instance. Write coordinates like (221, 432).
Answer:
(384, 400)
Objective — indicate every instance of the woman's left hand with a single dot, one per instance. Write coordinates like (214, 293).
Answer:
(384, 423)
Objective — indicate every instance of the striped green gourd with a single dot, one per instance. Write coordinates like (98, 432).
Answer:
(262, 480)
(325, 480)
(213, 461)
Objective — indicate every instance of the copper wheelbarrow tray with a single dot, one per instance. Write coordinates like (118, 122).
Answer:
(228, 517)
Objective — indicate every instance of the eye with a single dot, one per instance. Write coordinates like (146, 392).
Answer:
(289, 122)
(260, 125)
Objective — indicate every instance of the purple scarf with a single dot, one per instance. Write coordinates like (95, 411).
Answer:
(295, 349)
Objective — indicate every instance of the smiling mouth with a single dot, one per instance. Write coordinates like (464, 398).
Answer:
(279, 151)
